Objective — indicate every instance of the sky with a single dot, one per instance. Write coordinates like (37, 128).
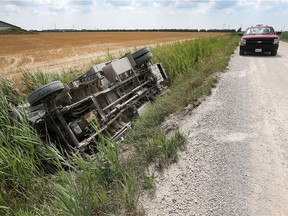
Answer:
(144, 14)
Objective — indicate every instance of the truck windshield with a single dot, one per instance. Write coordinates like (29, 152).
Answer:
(261, 31)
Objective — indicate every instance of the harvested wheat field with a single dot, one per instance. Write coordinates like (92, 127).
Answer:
(57, 52)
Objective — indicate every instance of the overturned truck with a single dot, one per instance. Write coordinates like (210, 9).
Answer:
(102, 101)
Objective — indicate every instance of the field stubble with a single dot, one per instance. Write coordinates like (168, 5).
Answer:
(57, 52)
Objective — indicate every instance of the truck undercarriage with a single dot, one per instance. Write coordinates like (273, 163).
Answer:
(103, 101)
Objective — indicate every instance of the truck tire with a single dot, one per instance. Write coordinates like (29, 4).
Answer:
(145, 58)
(241, 52)
(37, 96)
(140, 52)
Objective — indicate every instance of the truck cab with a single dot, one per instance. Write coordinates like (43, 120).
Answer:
(259, 39)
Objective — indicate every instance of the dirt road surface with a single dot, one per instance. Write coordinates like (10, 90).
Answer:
(236, 161)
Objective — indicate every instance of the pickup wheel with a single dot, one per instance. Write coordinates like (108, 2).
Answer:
(145, 58)
(140, 52)
(241, 52)
(273, 52)
(40, 94)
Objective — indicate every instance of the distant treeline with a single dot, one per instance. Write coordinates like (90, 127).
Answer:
(137, 30)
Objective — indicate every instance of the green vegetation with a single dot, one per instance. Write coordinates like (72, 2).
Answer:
(190, 66)
(10, 91)
(32, 81)
(284, 36)
(14, 31)
(110, 182)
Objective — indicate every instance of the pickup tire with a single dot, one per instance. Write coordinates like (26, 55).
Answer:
(40, 94)
(143, 59)
(241, 52)
(140, 52)
(273, 52)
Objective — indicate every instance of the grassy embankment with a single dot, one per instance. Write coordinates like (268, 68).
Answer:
(106, 183)
(284, 36)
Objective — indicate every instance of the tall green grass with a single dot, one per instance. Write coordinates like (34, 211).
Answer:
(198, 61)
(22, 155)
(10, 91)
(32, 81)
(110, 182)
(19, 158)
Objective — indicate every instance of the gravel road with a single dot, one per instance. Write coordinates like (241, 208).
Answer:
(236, 161)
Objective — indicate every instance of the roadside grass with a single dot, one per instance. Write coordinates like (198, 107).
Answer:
(10, 91)
(112, 181)
(202, 58)
(21, 152)
(284, 36)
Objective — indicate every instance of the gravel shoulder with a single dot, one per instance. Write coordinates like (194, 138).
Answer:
(235, 162)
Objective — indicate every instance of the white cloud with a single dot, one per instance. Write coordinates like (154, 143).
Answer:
(166, 10)
(12, 8)
(43, 12)
(229, 11)
(143, 13)
(263, 6)
(42, 1)
(128, 6)
(203, 8)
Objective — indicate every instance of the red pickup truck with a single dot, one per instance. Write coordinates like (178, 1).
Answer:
(259, 39)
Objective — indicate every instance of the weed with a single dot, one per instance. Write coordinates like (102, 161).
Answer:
(32, 81)
(109, 56)
(160, 149)
(21, 153)
(69, 195)
(8, 88)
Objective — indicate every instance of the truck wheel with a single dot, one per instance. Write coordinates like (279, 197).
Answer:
(140, 52)
(273, 52)
(37, 96)
(145, 58)
(241, 52)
